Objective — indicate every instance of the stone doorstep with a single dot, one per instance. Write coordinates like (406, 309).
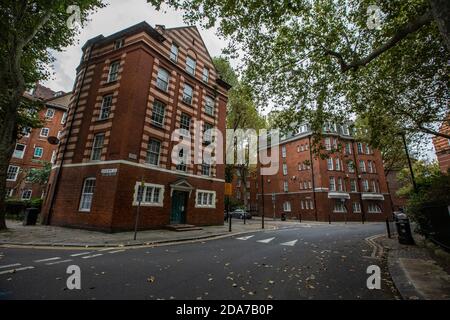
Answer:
(182, 227)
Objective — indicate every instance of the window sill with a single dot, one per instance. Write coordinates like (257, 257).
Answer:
(157, 125)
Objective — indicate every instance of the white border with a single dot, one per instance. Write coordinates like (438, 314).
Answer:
(213, 206)
(147, 204)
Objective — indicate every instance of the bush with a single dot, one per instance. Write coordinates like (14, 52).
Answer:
(15, 209)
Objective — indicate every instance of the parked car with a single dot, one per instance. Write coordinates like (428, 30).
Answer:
(240, 214)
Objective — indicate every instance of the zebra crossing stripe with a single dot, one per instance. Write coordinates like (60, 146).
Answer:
(16, 270)
(245, 238)
(10, 265)
(290, 243)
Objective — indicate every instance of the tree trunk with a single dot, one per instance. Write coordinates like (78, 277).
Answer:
(441, 14)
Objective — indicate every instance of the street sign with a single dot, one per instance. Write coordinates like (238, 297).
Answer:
(228, 189)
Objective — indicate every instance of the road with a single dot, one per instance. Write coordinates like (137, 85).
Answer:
(307, 262)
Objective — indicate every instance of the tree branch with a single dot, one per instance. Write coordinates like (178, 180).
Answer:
(404, 31)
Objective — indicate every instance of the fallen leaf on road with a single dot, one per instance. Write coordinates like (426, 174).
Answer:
(151, 279)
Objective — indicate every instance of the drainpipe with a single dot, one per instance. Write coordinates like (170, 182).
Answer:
(69, 132)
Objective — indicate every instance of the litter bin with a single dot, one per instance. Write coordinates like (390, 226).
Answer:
(404, 230)
(31, 215)
(283, 217)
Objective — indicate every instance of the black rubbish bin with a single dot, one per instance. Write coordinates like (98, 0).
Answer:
(404, 230)
(283, 217)
(31, 215)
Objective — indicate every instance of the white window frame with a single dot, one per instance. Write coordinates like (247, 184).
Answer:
(16, 173)
(106, 106)
(330, 164)
(161, 82)
(287, 206)
(209, 106)
(285, 169)
(332, 182)
(94, 147)
(356, 207)
(285, 186)
(199, 192)
(160, 202)
(43, 135)
(191, 68)
(36, 155)
(174, 53)
(84, 193)
(64, 118)
(205, 75)
(22, 152)
(28, 191)
(375, 206)
(52, 111)
(115, 73)
(339, 207)
(328, 144)
(353, 183)
(283, 151)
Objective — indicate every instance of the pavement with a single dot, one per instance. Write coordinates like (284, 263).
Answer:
(41, 235)
(416, 271)
(306, 261)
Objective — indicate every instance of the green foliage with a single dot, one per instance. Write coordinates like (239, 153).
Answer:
(424, 174)
(41, 175)
(319, 60)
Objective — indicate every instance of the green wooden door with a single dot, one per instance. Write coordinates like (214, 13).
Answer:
(178, 214)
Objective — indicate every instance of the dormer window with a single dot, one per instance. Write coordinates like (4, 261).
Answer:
(119, 43)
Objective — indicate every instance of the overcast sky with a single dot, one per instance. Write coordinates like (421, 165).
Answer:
(117, 16)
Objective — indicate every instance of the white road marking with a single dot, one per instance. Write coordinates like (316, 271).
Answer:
(266, 240)
(245, 238)
(92, 256)
(57, 262)
(106, 249)
(290, 243)
(49, 259)
(80, 254)
(10, 265)
(15, 270)
(117, 251)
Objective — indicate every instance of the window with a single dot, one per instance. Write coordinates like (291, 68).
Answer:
(353, 187)
(365, 185)
(340, 185)
(205, 76)
(285, 170)
(162, 80)
(330, 163)
(53, 159)
(38, 152)
(362, 166)
(369, 166)
(209, 106)
(207, 133)
(374, 208)
(332, 184)
(87, 194)
(181, 166)
(26, 194)
(309, 184)
(26, 132)
(367, 149)
(106, 107)
(158, 113)
(50, 113)
(206, 169)
(305, 185)
(185, 122)
(59, 134)
(287, 206)
(285, 186)
(311, 204)
(302, 205)
(351, 166)
(64, 118)
(328, 144)
(187, 94)
(348, 148)
(307, 205)
(360, 147)
(153, 151)
(148, 194)
(238, 194)
(205, 199)
(12, 173)
(174, 52)
(190, 65)
(374, 186)
(339, 207)
(119, 43)
(97, 146)
(356, 207)
(113, 71)
(345, 130)
(283, 151)
(19, 151)
(9, 192)
(338, 164)
(44, 132)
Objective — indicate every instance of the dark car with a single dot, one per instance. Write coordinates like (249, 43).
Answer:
(240, 214)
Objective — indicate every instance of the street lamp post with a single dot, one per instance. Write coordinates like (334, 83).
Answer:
(409, 163)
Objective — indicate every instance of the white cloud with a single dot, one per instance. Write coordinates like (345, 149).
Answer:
(117, 16)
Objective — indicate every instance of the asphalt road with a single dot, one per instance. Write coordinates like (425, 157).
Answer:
(309, 262)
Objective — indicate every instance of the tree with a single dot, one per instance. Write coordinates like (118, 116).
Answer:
(40, 175)
(334, 57)
(28, 31)
(241, 114)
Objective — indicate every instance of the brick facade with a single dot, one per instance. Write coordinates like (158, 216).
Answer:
(442, 147)
(33, 149)
(130, 130)
(302, 188)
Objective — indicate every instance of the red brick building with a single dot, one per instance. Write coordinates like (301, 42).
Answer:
(349, 185)
(398, 202)
(442, 147)
(132, 90)
(33, 149)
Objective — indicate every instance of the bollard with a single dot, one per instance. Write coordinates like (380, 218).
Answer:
(388, 228)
